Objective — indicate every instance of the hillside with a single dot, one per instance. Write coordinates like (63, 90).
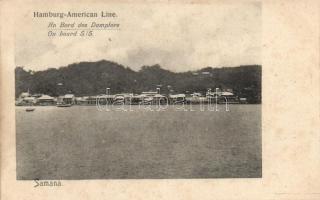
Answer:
(92, 78)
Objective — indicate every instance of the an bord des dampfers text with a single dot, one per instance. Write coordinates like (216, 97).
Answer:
(58, 26)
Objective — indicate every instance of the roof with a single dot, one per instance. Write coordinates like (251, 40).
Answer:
(147, 98)
(29, 98)
(69, 96)
(196, 94)
(45, 97)
(221, 93)
(106, 96)
(226, 93)
(119, 97)
(177, 95)
(159, 96)
(139, 96)
(126, 95)
(24, 94)
(150, 92)
(90, 97)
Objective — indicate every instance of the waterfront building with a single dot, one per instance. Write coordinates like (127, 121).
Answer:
(45, 100)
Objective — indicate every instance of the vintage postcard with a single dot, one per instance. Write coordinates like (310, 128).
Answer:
(160, 100)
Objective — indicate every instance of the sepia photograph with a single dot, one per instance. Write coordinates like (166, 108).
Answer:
(160, 92)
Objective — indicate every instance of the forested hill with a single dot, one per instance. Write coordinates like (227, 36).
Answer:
(92, 78)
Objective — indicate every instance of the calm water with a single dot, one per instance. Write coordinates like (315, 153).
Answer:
(81, 142)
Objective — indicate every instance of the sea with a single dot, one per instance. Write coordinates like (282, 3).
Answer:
(85, 142)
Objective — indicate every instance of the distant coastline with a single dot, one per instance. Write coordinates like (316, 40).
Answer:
(92, 78)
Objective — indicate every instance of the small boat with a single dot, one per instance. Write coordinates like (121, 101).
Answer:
(30, 109)
(63, 105)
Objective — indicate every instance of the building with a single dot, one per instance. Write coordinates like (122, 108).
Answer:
(152, 97)
(28, 101)
(149, 94)
(24, 94)
(222, 97)
(69, 98)
(177, 98)
(45, 100)
(66, 99)
(124, 98)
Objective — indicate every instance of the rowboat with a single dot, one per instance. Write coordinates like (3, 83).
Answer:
(63, 105)
(30, 109)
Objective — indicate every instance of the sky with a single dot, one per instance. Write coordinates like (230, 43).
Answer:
(178, 37)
